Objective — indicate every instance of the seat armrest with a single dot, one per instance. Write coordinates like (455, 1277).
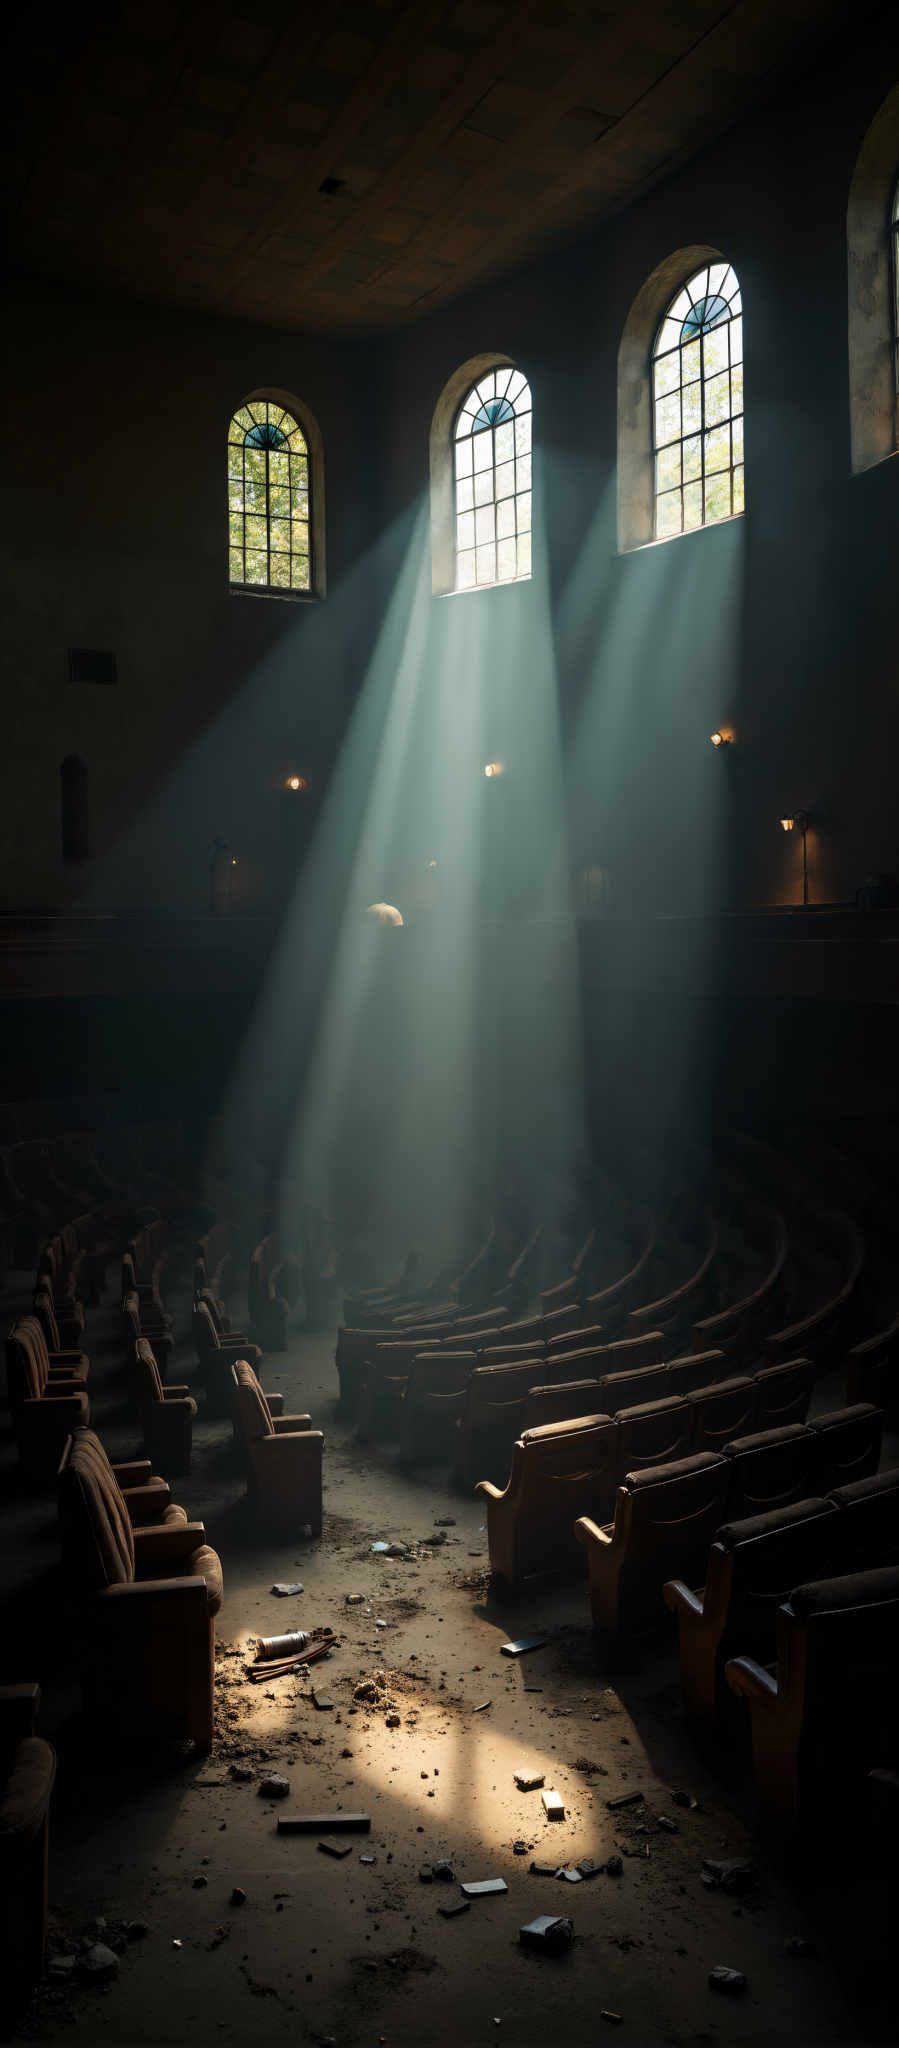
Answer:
(145, 1502)
(167, 1543)
(750, 1679)
(488, 1491)
(587, 1531)
(18, 1712)
(275, 1404)
(73, 1355)
(135, 1473)
(139, 1597)
(681, 1601)
(174, 1393)
(278, 1450)
(62, 1390)
(67, 1403)
(287, 1425)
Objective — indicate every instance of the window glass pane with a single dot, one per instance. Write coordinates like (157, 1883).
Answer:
(670, 335)
(692, 505)
(668, 514)
(235, 565)
(464, 494)
(279, 466)
(737, 438)
(465, 530)
(717, 449)
(505, 518)
(280, 571)
(463, 458)
(523, 508)
(235, 462)
(523, 473)
(737, 387)
(279, 501)
(692, 458)
(279, 534)
(517, 385)
(717, 496)
(524, 554)
(666, 374)
(465, 570)
(691, 362)
(235, 529)
(299, 572)
(243, 419)
(691, 408)
(506, 560)
(254, 496)
(523, 435)
(505, 480)
(299, 469)
(254, 459)
(257, 567)
(257, 535)
(717, 399)
(486, 560)
(484, 525)
(715, 349)
(738, 489)
(668, 467)
(483, 451)
(504, 441)
(483, 487)
(667, 419)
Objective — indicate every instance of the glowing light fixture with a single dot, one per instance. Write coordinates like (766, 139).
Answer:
(492, 768)
(799, 822)
(720, 739)
(385, 913)
(296, 782)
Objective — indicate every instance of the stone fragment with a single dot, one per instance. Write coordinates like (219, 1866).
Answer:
(99, 1963)
(624, 1799)
(721, 1978)
(530, 1781)
(238, 1895)
(730, 1875)
(553, 1805)
(287, 1591)
(274, 1786)
(553, 1933)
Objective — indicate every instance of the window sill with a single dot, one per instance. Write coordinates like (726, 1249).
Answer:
(477, 589)
(664, 540)
(281, 596)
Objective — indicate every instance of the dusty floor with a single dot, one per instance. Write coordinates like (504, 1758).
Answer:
(357, 1951)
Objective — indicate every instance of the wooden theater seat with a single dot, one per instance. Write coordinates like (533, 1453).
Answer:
(432, 1404)
(665, 1517)
(558, 1472)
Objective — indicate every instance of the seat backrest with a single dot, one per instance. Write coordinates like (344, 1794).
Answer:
(560, 1402)
(147, 1375)
(869, 1511)
(784, 1392)
(205, 1333)
(771, 1468)
(46, 1315)
(721, 1411)
(852, 1631)
(252, 1416)
(566, 1469)
(654, 1433)
(23, 1376)
(35, 1336)
(439, 1376)
(131, 1315)
(698, 1369)
(630, 1389)
(849, 1442)
(768, 1554)
(496, 1393)
(673, 1509)
(98, 1545)
(511, 1354)
(587, 1337)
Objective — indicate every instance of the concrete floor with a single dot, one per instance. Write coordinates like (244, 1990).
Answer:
(358, 1953)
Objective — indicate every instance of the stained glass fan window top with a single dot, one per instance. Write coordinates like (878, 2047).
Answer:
(493, 481)
(697, 404)
(268, 500)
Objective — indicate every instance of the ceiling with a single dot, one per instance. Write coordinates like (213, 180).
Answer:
(349, 166)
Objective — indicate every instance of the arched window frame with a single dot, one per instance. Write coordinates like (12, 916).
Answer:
(872, 242)
(307, 432)
(697, 410)
(456, 402)
(636, 449)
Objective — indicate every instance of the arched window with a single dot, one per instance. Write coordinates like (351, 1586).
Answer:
(697, 409)
(872, 237)
(271, 532)
(492, 467)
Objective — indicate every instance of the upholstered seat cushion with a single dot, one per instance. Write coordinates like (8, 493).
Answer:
(251, 1409)
(99, 1541)
(764, 1439)
(856, 1589)
(868, 1489)
(25, 1796)
(203, 1563)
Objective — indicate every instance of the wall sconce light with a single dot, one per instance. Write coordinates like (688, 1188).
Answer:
(799, 823)
(296, 782)
(720, 739)
(494, 768)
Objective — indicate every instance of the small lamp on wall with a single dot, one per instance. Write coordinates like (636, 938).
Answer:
(799, 823)
(493, 768)
(719, 738)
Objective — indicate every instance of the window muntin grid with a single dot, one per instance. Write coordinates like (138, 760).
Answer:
(697, 404)
(493, 482)
(268, 500)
